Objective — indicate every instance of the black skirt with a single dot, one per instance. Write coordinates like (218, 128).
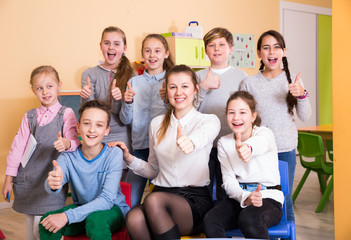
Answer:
(199, 199)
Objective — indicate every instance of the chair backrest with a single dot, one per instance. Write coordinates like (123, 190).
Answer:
(310, 145)
(284, 182)
(329, 147)
(126, 190)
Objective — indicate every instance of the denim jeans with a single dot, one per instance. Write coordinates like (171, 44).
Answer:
(137, 182)
(252, 221)
(290, 158)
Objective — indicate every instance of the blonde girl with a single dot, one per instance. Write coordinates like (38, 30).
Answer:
(142, 102)
(54, 128)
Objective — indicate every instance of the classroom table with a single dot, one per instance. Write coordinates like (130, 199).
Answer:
(325, 131)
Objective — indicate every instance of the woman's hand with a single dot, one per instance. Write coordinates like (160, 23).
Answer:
(127, 157)
(183, 142)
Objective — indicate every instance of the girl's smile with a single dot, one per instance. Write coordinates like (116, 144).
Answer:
(46, 88)
(271, 54)
(154, 54)
(112, 47)
(240, 118)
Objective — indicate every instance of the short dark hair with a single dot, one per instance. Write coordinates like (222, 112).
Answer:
(96, 104)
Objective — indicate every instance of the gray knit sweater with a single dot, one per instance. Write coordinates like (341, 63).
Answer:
(272, 107)
(214, 101)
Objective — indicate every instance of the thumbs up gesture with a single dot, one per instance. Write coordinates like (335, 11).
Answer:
(295, 88)
(115, 91)
(86, 90)
(255, 197)
(243, 149)
(162, 92)
(212, 81)
(62, 144)
(183, 142)
(55, 177)
(129, 94)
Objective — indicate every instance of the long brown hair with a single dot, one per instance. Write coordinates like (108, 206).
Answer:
(291, 100)
(161, 132)
(249, 100)
(125, 71)
(168, 62)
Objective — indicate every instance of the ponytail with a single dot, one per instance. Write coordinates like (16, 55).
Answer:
(161, 132)
(125, 72)
(291, 100)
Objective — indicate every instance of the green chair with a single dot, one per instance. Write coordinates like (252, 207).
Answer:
(311, 146)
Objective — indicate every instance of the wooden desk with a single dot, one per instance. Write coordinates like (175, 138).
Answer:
(325, 131)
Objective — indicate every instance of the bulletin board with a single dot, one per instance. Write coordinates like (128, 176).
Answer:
(244, 54)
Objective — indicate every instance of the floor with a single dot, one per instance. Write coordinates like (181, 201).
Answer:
(309, 225)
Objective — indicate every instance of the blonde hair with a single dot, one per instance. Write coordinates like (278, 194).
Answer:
(125, 71)
(44, 69)
(219, 33)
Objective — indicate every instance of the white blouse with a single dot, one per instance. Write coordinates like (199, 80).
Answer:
(167, 165)
(262, 167)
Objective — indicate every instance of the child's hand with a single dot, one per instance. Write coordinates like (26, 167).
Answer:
(295, 88)
(54, 222)
(183, 142)
(212, 81)
(62, 144)
(127, 157)
(255, 198)
(243, 149)
(55, 177)
(115, 91)
(86, 90)
(162, 92)
(129, 94)
(7, 188)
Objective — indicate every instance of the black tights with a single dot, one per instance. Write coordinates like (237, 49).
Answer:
(160, 217)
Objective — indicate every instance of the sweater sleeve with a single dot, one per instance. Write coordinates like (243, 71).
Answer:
(150, 168)
(230, 182)
(206, 132)
(303, 107)
(17, 148)
(70, 129)
(85, 74)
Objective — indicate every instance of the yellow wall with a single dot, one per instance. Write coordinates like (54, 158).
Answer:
(341, 117)
(66, 35)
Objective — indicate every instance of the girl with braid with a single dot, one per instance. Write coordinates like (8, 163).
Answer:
(277, 93)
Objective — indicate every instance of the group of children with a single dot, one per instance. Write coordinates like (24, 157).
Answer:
(180, 129)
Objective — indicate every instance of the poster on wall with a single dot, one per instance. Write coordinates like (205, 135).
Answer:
(244, 54)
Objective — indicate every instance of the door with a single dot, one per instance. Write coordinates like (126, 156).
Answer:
(299, 26)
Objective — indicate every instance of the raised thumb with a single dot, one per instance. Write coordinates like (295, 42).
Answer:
(238, 140)
(179, 131)
(54, 162)
(59, 135)
(113, 84)
(258, 189)
(88, 82)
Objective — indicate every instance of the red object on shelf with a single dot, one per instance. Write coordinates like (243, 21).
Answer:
(122, 234)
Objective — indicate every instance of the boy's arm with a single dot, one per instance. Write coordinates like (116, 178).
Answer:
(110, 188)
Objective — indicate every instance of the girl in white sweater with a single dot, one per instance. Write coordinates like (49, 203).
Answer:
(249, 163)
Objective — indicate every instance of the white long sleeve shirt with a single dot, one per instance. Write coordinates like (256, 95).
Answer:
(262, 167)
(167, 165)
